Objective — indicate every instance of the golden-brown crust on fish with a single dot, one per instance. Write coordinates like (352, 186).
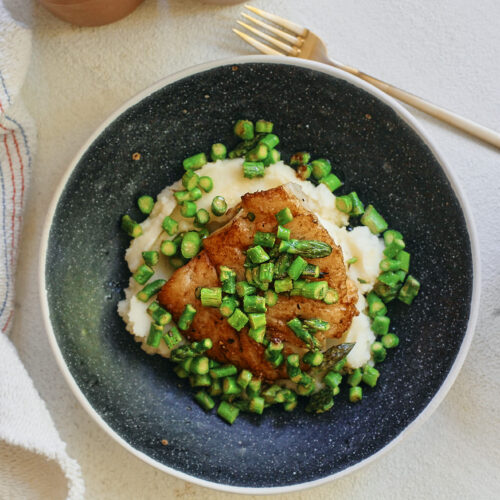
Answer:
(229, 346)
(227, 247)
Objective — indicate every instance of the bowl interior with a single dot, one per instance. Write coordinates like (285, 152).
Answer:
(374, 152)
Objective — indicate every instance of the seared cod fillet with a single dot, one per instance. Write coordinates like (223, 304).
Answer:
(227, 247)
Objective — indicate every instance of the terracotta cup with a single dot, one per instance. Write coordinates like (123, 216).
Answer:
(90, 12)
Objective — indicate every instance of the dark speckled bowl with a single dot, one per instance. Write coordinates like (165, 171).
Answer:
(378, 149)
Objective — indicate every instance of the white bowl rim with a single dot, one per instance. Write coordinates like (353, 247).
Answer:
(414, 125)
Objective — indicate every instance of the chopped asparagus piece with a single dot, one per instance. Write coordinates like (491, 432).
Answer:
(195, 162)
(218, 151)
(146, 204)
(373, 220)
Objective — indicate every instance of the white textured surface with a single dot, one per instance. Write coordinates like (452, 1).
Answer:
(446, 51)
(33, 458)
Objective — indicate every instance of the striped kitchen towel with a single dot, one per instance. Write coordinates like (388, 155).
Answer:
(32, 455)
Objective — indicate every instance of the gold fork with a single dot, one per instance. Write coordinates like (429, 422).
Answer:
(298, 41)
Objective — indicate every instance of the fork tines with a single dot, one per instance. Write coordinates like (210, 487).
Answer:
(289, 44)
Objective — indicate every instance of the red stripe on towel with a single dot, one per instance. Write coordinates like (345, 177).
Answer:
(8, 320)
(16, 144)
(13, 179)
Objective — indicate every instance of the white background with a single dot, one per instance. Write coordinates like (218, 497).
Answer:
(445, 50)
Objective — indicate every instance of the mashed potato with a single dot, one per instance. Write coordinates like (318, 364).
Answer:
(228, 180)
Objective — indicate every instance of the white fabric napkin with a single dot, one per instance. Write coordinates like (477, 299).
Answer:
(33, 458)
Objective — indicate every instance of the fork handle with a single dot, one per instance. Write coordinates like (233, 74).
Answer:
(457, 121)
